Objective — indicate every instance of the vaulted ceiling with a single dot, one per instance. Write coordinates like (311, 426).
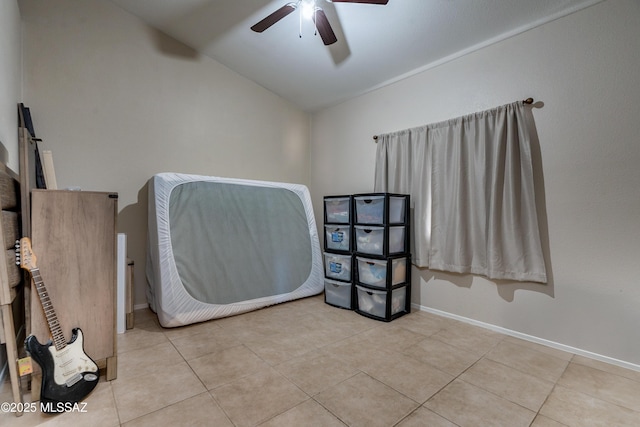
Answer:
(377, 44)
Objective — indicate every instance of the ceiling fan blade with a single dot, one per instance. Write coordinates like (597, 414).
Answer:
(274, 17)
(324, 28)
(361, 1)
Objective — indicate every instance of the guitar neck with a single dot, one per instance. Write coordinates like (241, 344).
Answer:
(50, 314)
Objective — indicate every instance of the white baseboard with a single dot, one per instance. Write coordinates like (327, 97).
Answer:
(537, 340)
(140, 306)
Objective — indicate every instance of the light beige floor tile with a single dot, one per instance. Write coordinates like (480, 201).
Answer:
(542, 421)
(573, 408)
(607, 367)
(209, 341)
(511, 384)
(528, 360)
(349, 322)
(143, 316)
(257, 398)
(442, 356)
(316, 371)
(469, 338)
(413, 378)
(470, 406)
(280, 347)
(321, 332)
(98, 409)
(140, 395)
(364, 371)
(189, 330)
(422, 322)
(245, 326)
(358, 352)
(28, 419)
(139, 338)
(422, 417)
(201, 410)
(364, 401)
(146, 360)
(391, 337)
(559, 354)
(308, 414)
(225, 366)
(602, 385)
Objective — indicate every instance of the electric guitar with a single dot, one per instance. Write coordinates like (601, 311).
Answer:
(68, 374)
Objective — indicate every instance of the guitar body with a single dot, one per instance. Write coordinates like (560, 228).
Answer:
(68, 375)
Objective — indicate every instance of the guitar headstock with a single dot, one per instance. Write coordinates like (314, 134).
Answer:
(25, 257)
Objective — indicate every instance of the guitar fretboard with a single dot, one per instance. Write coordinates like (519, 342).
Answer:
(50, 314)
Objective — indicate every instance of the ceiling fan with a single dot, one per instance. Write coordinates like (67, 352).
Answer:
(316, 13)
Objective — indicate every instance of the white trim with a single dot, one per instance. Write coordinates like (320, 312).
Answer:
(141, 306)
(531, 338)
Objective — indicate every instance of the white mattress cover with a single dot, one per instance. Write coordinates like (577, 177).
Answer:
(166, 294)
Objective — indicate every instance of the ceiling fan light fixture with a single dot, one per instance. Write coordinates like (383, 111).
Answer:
(307, 9)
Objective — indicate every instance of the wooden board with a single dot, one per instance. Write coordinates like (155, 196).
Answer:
(74, 240)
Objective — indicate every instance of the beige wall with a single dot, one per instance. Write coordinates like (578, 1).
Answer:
(117, 102)
(583, 68)
(10, 93)
(10, 81)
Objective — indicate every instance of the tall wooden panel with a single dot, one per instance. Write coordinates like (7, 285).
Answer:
(74, 240)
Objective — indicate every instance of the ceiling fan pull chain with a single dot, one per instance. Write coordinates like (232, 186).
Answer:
(315, 16)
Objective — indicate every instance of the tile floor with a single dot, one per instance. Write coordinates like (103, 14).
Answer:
(305, 363)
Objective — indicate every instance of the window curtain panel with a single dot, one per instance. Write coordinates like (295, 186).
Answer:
(472, 193)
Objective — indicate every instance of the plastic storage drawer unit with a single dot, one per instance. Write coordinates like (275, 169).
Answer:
(381, 241)
(381, 208)
(383, 273)
(338, 293)
(338, 266)
(383, 305)
(337, 209)
(337, 237)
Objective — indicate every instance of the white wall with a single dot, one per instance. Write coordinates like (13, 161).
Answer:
(117, 102)
(583, 68)
(10, 81)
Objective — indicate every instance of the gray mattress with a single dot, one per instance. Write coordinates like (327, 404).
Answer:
(221, 246)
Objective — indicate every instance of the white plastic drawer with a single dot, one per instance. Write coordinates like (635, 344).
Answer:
(337, 293)
(374, 302)
(369, 209)
(370, 240)
(337, 266)
(373, 272)
(337, 238)
(397, 206)
(337, 209)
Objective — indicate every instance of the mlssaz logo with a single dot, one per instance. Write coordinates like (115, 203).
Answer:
(57, 407)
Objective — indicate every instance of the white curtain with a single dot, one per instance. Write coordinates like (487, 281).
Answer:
(472, 193)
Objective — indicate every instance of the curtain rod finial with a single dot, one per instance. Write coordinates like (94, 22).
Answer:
(528, 101)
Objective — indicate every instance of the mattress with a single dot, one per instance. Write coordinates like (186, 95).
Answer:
(221, 246)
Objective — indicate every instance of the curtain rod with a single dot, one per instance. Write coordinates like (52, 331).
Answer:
(528, 101)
